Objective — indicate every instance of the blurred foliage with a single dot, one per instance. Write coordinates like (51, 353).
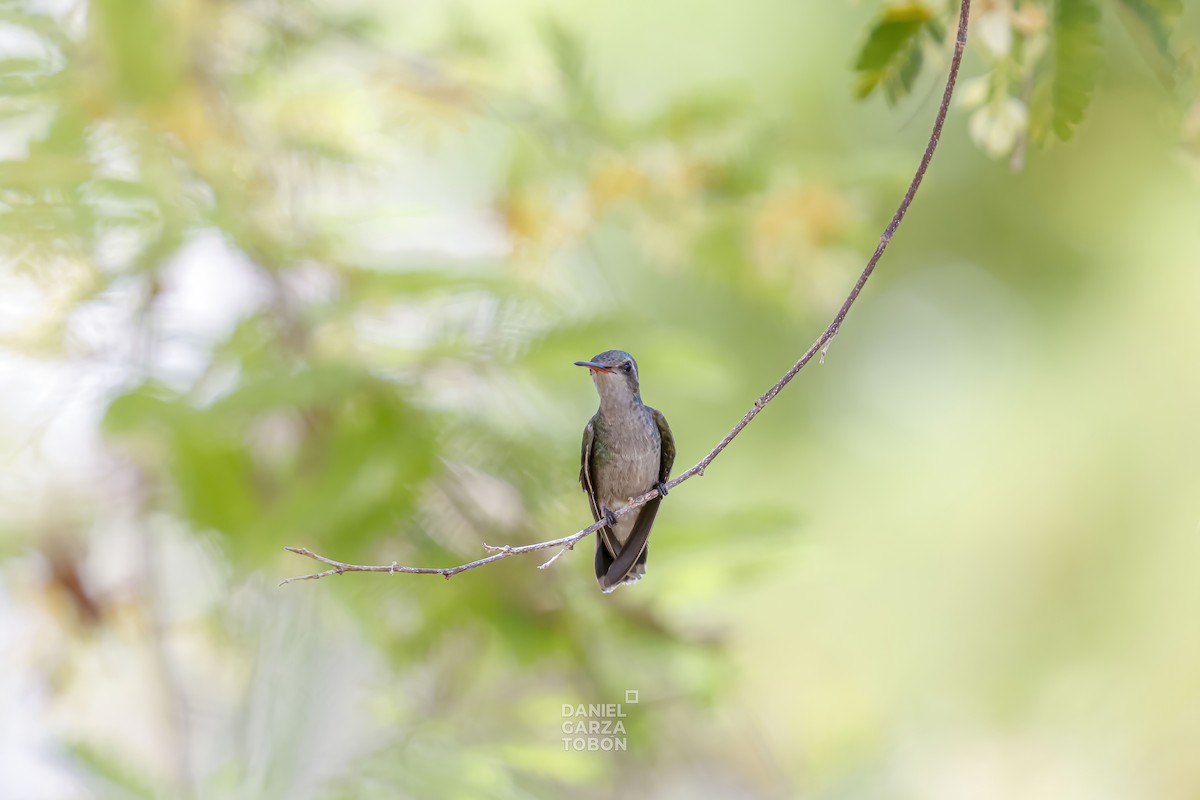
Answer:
(1046, 58)
(314, 273)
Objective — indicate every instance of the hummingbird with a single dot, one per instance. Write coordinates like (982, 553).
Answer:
(628, 449)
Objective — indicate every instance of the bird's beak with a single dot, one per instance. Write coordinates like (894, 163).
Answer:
(592, 365)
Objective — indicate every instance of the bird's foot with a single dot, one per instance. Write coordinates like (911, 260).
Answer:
(610, 519)
(662, 488)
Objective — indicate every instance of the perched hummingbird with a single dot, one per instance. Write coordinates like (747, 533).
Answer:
(628, 450)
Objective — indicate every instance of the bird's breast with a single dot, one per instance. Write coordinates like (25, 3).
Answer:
(630, 461)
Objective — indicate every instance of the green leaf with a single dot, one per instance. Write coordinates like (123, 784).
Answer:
(900, 82)
(48, 173)
(570, 57)
(45, 26)
(26, 77)
(304, 388)
(891, 57)
(148, 406)
(1065, 91)
(694, 115)
(139, 47)
(1151, 23)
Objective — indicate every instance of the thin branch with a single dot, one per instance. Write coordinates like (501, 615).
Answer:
(819, 346)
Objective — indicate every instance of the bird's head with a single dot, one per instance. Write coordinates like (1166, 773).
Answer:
(615, 374)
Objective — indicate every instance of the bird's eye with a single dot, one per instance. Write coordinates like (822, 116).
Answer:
(627, 367)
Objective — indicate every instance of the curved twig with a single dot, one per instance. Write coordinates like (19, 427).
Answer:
(819, 346)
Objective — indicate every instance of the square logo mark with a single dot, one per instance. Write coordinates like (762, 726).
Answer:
(631, 696)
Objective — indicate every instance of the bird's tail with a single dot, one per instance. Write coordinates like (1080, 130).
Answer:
(634, 575)
(608, 576)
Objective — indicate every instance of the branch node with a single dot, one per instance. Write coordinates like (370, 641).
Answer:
(825, 350)
(552, 559)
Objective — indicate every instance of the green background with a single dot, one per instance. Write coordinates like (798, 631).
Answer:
(314, 275)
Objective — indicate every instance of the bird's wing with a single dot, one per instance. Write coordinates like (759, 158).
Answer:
(640, 535)
(608, 545)
(585, 469)
(668, 444)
